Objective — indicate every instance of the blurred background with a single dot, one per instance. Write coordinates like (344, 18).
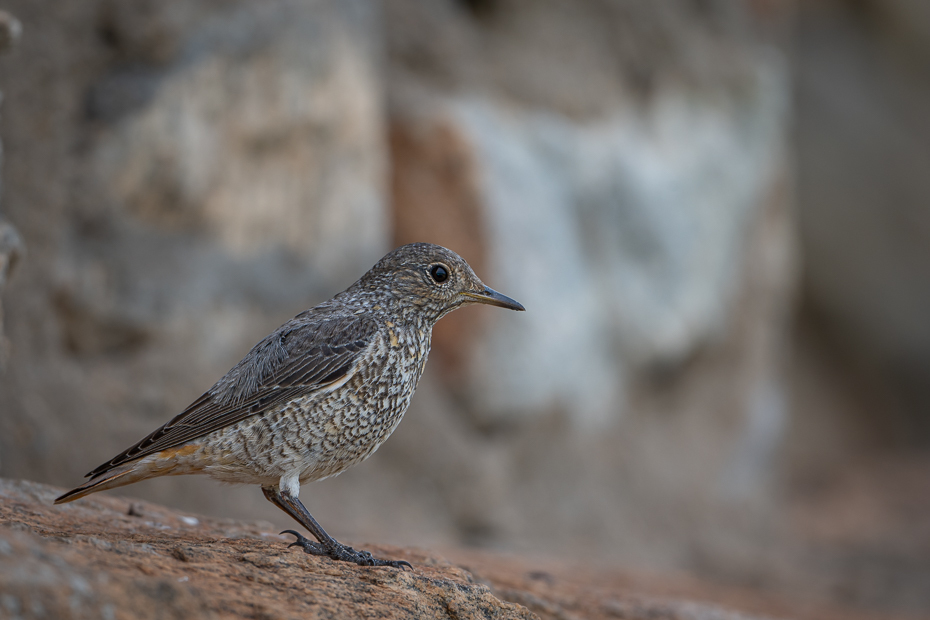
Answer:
(717, 213)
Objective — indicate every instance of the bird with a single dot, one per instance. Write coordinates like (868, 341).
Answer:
(318, 395)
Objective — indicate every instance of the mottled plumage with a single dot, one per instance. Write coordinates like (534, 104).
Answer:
(317, 396)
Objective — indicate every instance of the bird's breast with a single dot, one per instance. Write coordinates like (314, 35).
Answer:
(350, 423)
(323, 433)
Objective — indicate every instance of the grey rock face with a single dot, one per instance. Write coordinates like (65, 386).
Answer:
(263, 133)
(11, 245)
(11, 250)
(864, 153)
(634, 227)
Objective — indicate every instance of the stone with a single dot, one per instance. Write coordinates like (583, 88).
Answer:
(10, 31)
(11, 244)
(637, 215)
(106, 557)
(111, 558)
(863, 149)
(11, 251)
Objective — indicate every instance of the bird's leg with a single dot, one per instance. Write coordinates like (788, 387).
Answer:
(327, 545)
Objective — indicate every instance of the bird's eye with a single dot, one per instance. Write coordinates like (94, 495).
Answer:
(439, 273)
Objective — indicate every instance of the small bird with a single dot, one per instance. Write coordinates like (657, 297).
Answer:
(317, 396)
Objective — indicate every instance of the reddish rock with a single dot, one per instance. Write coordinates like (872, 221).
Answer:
(110, 557)
(105, 557)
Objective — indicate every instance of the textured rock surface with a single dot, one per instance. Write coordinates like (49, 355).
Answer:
(105, 557)
(108, 558)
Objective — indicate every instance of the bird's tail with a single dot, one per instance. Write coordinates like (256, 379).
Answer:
(109, 480)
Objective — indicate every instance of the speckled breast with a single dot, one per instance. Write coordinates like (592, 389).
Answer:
(324, 433)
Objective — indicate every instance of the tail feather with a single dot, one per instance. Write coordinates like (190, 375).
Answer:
(171, 462)
(109, 480)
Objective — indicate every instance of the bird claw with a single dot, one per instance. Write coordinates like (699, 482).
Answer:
(309, 546)
(343, 553)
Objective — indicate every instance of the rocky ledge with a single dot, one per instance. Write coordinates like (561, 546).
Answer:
(109, 557)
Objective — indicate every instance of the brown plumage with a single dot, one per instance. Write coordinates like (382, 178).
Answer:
(317, 396)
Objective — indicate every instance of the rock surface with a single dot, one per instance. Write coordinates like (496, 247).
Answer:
(111, 558)
(107, 557)
(863, 154)
(11, 246)
(635, 203)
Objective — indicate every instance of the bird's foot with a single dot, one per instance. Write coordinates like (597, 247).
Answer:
(341, 552)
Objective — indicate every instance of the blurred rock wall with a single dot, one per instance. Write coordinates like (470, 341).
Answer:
(622, 170)
(188, 176)
(864, 161)
(11, 245)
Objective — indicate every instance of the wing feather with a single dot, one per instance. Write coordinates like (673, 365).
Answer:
(301, 357)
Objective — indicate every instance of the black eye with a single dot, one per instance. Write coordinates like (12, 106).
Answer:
(439, 273)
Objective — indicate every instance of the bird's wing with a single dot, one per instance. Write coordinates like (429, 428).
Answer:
(301, 357)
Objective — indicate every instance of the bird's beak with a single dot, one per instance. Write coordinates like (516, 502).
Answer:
(491, 297)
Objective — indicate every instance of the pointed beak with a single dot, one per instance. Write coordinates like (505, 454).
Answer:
(491, 297)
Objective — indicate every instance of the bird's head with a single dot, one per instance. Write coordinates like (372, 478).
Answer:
(431, 280)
